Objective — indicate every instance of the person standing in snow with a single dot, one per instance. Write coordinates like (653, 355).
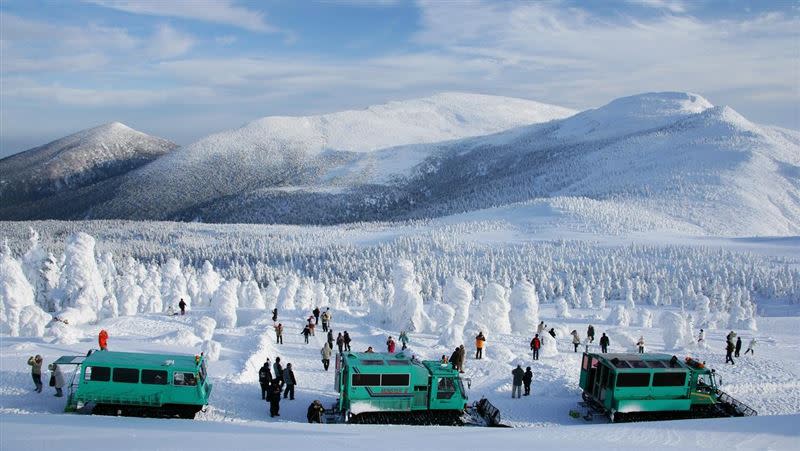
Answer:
(182, 306)
(274, 399)
(604, 342)
(56, 379)
(738, 346)
(403, 340)
(462, 356)
(518, 374)
(347, 341)
(390, 345)
(102, 340)
(731, 337)
(315, 410)
(540, 328)
(36, 371)
(729, 347)
(454, 358)
(279, 334)
(576, 340)
(640, 344)
(311, 325)
(265, 378)
(590, 333)
(290, 381)
(277, 369)
(701, 338)
(275, 315)
(326, 319)
(536, 343)
(480, 342)
(552, 332)
(527, 378)
(326, 355)
(306, 332)
(751, 346)
(340, 342)
(330, 338)
(315, 312)
(171, 311)
(369, 350)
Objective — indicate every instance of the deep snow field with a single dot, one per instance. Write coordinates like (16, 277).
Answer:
(238, 419)
(767, 381)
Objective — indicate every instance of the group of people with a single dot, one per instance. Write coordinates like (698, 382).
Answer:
(733, 346)
(274, 380)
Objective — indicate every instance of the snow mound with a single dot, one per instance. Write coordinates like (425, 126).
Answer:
(204, 327)
(63, 334)
(180, 337)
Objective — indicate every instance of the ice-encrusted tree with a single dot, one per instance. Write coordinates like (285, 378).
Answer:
(620, 316)
(32, 265)
(673, 330)
(407, 311)
(250, 295)
(645, 318)
(457, 295)
(492, 313)
(224, 302)
(321, 298)
(629, 294)
(287, 294)
(524, 307)
(655, 294)
(19, 315)
(304, 297)
(129, 292)
(599, 297)
(173, 284)
(80, 286)
(562, 308)
(151, 302)
(208, 281)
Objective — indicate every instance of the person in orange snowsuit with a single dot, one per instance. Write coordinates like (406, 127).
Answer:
(102, 340)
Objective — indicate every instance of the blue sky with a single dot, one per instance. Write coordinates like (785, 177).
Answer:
(185, 69)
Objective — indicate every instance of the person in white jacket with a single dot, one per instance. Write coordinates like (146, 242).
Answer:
(58, 379)
(751, 346)
(576, 340)
(701, 338)
(326, 355)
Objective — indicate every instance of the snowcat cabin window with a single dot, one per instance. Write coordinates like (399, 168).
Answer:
(445, 389)
(669, 379)
(394, 380)
(461, 387)
(372, 362)
(366, 380)
(154, 377)
(637, 364)
(620, 363)
(184, 379)
(586, 359)
(202, 372)
(126, 375)
(633, 380)
(97, 374)
(656, 364)
(704, 383)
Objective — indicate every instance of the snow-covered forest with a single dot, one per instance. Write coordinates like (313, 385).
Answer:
(433, 279)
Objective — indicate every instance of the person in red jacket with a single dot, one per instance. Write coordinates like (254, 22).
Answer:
(536, 343)
(102, 340)
(390, 345)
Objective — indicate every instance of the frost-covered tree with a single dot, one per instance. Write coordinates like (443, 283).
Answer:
(225, 301)
(250, 295)
(673, 329)
(655, 295)
(407, 311)
(524, 308)
(32, 265)
(304, 298)
(619, 316)
(321, 295)
(80, 287)
(173, 284)
(205, 327)
(645, 318)
(208, 281)
(492, 313)
(457, 296)
(19, 315)
(599, 297)
(129, 293)
(287, 294)
(629, 295)
(151, 302)
(562, 308)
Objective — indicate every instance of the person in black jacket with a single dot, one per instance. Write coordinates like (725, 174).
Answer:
(316, 315)
(290, 381)
(275, 315)
(315, 411)
(526, 380)
(347, 341)
(182, 306)
(274, 399)
(340, 342)
(604, 342)
(454, 359)
(330, 338)
(516, 386)
(306, 332)
(590, 333)
(277, 370)
(265, 378)
(729, 347)
(738, 346)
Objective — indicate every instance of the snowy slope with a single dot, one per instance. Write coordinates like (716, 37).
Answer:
(292, 151)
(77, 160)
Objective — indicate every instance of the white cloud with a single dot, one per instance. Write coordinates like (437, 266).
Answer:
(215, 11)
(225, 40)
(673, 6)
(168, 43)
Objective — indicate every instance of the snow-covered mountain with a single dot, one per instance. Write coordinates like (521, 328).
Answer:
(656, 161)
(75, 161)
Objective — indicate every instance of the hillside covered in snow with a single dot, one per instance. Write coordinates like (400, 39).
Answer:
(71, 163)
(666, 161)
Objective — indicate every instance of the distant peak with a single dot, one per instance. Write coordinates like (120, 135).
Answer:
(662, 103)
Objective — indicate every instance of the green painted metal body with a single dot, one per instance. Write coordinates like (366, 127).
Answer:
(646, 383)
(141, 380)
(379, 382)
